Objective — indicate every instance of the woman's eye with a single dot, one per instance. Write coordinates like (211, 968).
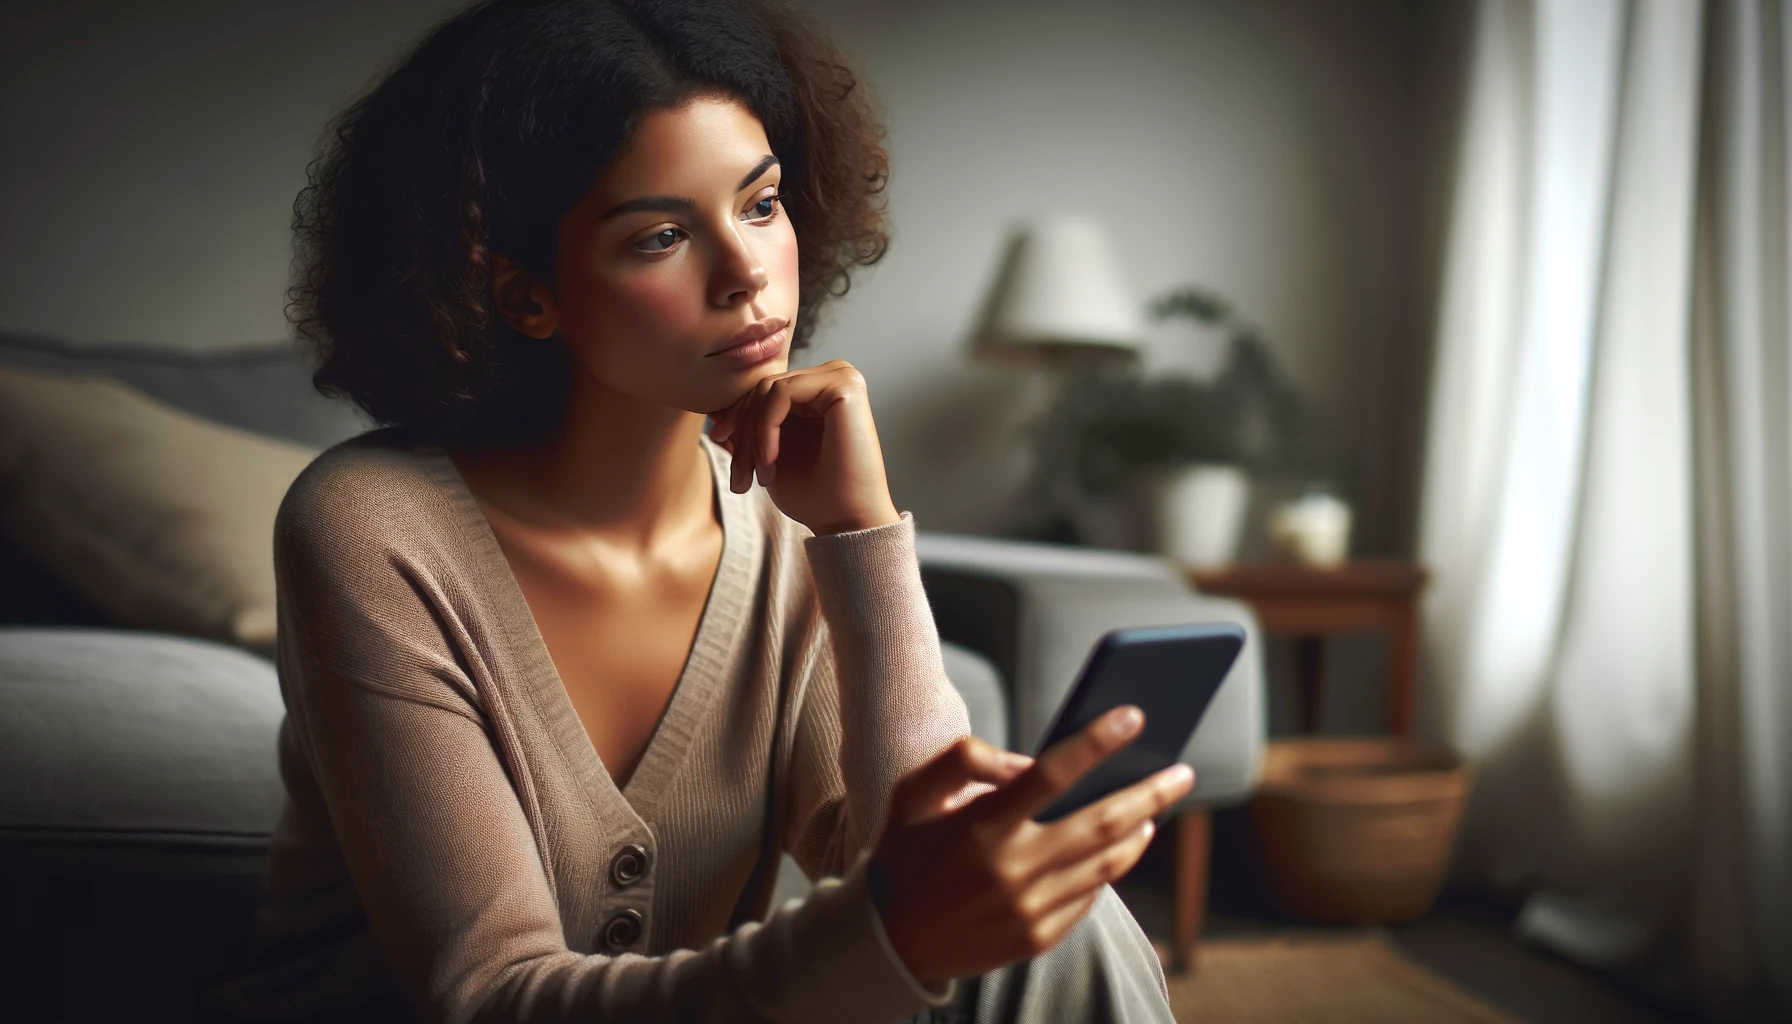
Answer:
(766, 207)
(659, 241)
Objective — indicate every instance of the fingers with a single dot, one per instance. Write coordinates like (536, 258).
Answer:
(1058, 768)
(751, 428)
(755, 427)
(1060, 898)
(1089, 834)
(725, 430)
(1086, 833)
(925, 790)
(721, 425)
(774, 406)
(1081, 880)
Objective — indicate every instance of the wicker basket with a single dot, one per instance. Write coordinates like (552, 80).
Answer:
(1357, 830)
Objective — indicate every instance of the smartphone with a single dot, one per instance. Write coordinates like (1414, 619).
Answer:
(1170, 673)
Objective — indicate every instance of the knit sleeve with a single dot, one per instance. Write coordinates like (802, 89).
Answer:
(388, 725)
(877, 702)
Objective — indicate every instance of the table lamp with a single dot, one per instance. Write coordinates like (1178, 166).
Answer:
(1057, 305)
(1058, 301)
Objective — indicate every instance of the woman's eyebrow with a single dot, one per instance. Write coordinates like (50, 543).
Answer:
(766, 163)
(679, 204)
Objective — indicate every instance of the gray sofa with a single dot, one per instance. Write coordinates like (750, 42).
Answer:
(138, 785)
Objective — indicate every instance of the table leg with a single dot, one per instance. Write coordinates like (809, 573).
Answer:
(1309, 666)
(1194, 838)
(1403, 656)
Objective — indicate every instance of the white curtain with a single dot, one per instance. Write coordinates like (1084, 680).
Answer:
(1607, 506)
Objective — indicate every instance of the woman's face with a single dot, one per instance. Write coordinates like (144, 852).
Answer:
(679, 248)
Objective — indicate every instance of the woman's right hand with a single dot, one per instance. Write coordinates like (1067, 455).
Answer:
(968, 888)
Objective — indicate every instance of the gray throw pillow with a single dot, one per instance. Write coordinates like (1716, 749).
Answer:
(262, 388)
(136, 738)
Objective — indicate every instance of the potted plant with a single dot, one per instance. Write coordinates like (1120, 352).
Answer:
(1177, 449)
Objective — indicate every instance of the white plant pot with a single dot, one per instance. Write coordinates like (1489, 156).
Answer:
(1197, 513)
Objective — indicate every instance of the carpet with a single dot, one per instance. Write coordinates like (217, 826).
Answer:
(1319, 980)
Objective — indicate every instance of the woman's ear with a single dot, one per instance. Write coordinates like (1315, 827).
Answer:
(523, 300)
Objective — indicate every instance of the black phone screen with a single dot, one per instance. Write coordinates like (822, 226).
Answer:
(1169, 672)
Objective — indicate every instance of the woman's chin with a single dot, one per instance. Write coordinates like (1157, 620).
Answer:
(744, 379)
(737, 385)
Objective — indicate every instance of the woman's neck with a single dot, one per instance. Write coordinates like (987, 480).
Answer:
(617, 465)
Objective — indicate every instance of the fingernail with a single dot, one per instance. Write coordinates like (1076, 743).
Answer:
(1150, 828)
(1125, 722)
(1180, 774)
(1019, 761)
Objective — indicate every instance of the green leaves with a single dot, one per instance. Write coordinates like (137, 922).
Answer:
(1193, 302)
(1111, 422)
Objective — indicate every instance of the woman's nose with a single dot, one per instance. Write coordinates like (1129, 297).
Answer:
(740, 275)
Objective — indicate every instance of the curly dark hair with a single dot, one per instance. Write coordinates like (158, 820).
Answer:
(491, 129)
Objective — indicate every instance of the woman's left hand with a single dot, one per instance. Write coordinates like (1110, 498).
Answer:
(809, 435)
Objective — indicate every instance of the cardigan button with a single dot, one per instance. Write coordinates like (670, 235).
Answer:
(629, 864)
(624, 929)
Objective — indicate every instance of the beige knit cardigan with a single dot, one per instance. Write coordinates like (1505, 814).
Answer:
(452, 846)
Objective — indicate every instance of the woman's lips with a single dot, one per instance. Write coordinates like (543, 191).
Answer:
(756, 351)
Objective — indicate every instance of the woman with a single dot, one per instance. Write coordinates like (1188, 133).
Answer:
(562, 685)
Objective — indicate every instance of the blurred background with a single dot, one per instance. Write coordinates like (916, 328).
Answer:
(1281, 153)
(1515, 272)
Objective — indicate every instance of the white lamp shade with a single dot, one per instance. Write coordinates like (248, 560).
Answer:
(1059, 296)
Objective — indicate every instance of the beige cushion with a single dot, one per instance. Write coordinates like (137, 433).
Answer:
(161, 519)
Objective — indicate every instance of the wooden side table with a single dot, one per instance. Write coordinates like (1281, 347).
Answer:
(1361, 596)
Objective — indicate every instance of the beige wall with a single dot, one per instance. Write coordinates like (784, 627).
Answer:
(1278, 151)
(152, 152)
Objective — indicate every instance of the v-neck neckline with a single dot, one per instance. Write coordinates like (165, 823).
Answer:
(718, 628)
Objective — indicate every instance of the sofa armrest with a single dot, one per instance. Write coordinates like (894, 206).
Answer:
(985, 699)
(1037, 610)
